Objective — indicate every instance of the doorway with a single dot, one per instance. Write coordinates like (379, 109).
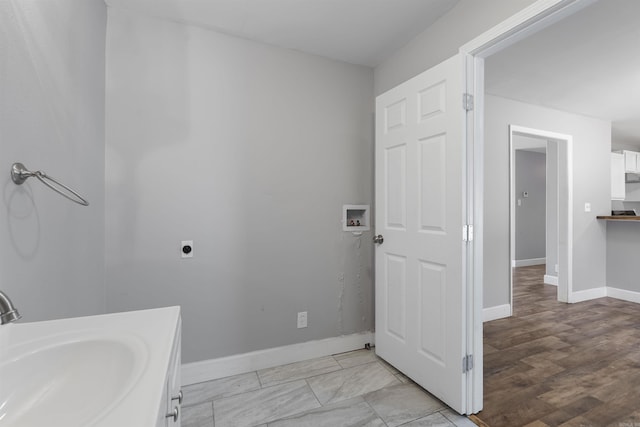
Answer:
(555, 194)
(537, 17)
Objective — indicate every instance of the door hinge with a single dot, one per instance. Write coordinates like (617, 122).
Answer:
(467, 363)
(467, 233)
(467, 102)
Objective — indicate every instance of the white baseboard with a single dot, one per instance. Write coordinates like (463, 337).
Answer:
(207, 370)
(550, 280)
(623, 294)
(528, 262)
(588, 294)
(497, 312)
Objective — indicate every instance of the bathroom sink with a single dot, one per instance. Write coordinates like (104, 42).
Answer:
(106, 370)
(73, 378)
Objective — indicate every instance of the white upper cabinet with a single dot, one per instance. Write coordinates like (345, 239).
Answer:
(631, 161)
(618, 167)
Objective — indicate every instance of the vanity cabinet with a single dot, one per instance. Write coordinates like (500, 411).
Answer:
(171, 410)
(618, 190)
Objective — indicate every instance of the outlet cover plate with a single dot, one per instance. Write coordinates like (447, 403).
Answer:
(302, 319)
(186, 249)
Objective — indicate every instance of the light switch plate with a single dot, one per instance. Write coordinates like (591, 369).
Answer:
(587, 207)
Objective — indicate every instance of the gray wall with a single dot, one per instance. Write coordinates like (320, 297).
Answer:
(52, 118)
(467, 20)
(250, 151)
(530, 217)
(623, 268)
(551, 252)
(591, 183)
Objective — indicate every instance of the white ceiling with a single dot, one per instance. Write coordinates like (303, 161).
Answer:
(530, 143)
(588, 64)
(361, 32)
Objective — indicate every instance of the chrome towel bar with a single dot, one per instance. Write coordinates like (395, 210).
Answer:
(19, 174)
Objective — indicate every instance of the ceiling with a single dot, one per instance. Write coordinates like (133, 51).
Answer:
(587, 64)
(363, 32)
(529, 143)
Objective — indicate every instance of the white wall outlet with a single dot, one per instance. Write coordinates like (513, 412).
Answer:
(587, 207)
(302, 319)
(186, 249)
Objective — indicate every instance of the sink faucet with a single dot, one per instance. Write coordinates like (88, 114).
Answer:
(8, 313)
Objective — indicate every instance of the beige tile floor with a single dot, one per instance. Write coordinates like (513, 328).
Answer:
(349, 389)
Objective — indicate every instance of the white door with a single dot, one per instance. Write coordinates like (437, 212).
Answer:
(420, 193)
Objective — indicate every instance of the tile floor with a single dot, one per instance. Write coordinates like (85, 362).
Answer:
(349, 389)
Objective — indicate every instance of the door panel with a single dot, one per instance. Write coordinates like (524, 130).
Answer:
(420, 317)
(395, 167)
(432, 321)
(396, 296)
(432, 192)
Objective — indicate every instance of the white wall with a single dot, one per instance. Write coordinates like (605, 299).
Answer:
(467, 20)
(591, 183)
(52, 118)
(250, 151)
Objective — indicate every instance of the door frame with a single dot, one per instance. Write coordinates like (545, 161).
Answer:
(564, 207)
(528, 21)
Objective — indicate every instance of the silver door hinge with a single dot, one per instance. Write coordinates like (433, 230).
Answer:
(467, 363)
(467, 233)
(467, 102)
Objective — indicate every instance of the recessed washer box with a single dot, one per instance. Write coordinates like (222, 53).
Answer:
(355, 218)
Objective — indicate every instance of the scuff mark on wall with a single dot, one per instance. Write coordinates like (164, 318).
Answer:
(353, 286)
(359, 280)
(341, 287)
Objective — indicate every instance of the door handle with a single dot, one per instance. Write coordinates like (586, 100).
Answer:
(378, 239)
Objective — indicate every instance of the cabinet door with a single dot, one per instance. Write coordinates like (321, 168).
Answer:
(630, 161)
(618, 167)
(174, 380)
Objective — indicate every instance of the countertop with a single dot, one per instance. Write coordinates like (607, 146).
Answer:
(153, 329)
(619, 218)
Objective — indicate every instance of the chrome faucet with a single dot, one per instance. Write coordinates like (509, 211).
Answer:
(8, 313)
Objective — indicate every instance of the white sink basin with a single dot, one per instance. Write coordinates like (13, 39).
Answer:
(73, 378)
(108, 370)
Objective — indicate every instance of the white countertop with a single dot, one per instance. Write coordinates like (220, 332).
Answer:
(150, 332)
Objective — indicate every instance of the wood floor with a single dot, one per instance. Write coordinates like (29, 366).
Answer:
(555, 364)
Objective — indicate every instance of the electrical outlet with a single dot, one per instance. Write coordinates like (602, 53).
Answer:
(587, 207)
(302, 319)
(186, 249)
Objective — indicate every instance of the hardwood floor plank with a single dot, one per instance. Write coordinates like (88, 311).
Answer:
(557, 364)
(570, 411)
